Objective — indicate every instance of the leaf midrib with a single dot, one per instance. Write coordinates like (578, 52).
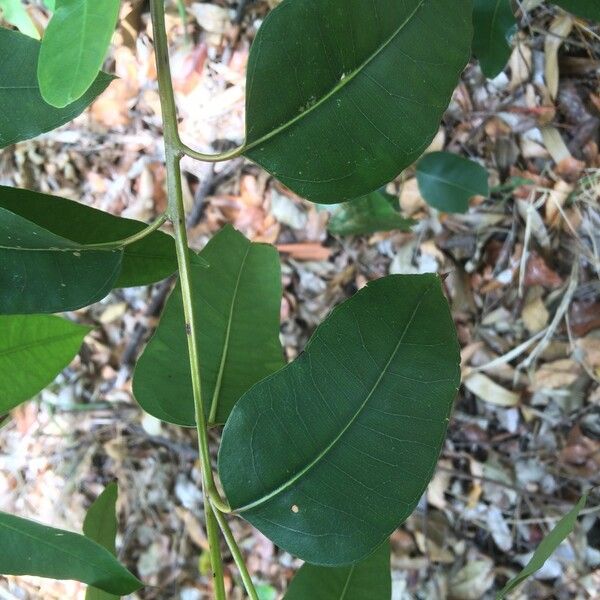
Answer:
(339, 86)
(44, 342)
(450, 183)
(61, 548)
(215, 399)
(287, 484)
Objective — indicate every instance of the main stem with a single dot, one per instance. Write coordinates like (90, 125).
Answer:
(176, 213)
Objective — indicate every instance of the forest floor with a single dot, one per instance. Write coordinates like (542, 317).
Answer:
(524, 284)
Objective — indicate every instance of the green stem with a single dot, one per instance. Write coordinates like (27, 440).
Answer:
(212, 533)
(176, 213)
(237, 555)
(136, 237)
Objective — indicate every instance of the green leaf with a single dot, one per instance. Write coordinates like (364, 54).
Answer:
(493, 21)
(41, 272)
(377, 211)
(342, 95)
(101, 525)
(37, 549)
(448, 181)
(370, 578)
(50, 5)
(587, 9)
(33, 351)
(74, 47)
(23, 112)
(237, 304)
(15, 13)
(546, 548)
(329, 455)
(144, 262)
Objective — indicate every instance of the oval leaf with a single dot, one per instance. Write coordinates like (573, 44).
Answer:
(74, 48)
(375, 212)
(101, 525)
(23, 112)
(344, 94)
(448, 181)
(493, 21)
(370, 578)
(33, 351)
(144, 262)
(37, 549)
(588, 9)
(41, 272)
(237, 301)
(329, 455)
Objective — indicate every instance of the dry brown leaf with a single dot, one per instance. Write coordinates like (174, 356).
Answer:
(489, 391)
(556, 375)
(520, 63)
(538, 272)
(556, 201)
(560, 29)
(535, 315)
(306, 251)
(472, 581)
(411, 201)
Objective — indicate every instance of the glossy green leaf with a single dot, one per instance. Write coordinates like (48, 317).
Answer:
(237, 302)
(41, 272)
(342, 95)
(101, 525)
(587, 9)
(33, 351)
(37, 549)
(448, 181)
(15, 13)
(377, 211)
(50, 4)
(370, 578)
(330, 454)
(493, 21)
(144, 262)
(23, 112)
(546, 548)
(74, 47)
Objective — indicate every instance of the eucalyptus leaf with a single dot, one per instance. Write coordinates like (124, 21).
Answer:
(15, 13)
(41, 272)
(23, 112)
(330, 454)
(448, 182)
(74, 47)
(546, 548)
(493, 20)
(237, 301)
(101, 525)
(377, 211)
(144, 262)
(33, 351)
(587, 9)
(342, 95)
(37, 549)
(370, 578)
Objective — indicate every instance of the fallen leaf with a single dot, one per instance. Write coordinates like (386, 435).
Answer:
(489, 391)
(306, 251)
(556, 375)
(472, 581)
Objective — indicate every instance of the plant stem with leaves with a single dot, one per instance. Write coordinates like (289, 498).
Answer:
(174, 150)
